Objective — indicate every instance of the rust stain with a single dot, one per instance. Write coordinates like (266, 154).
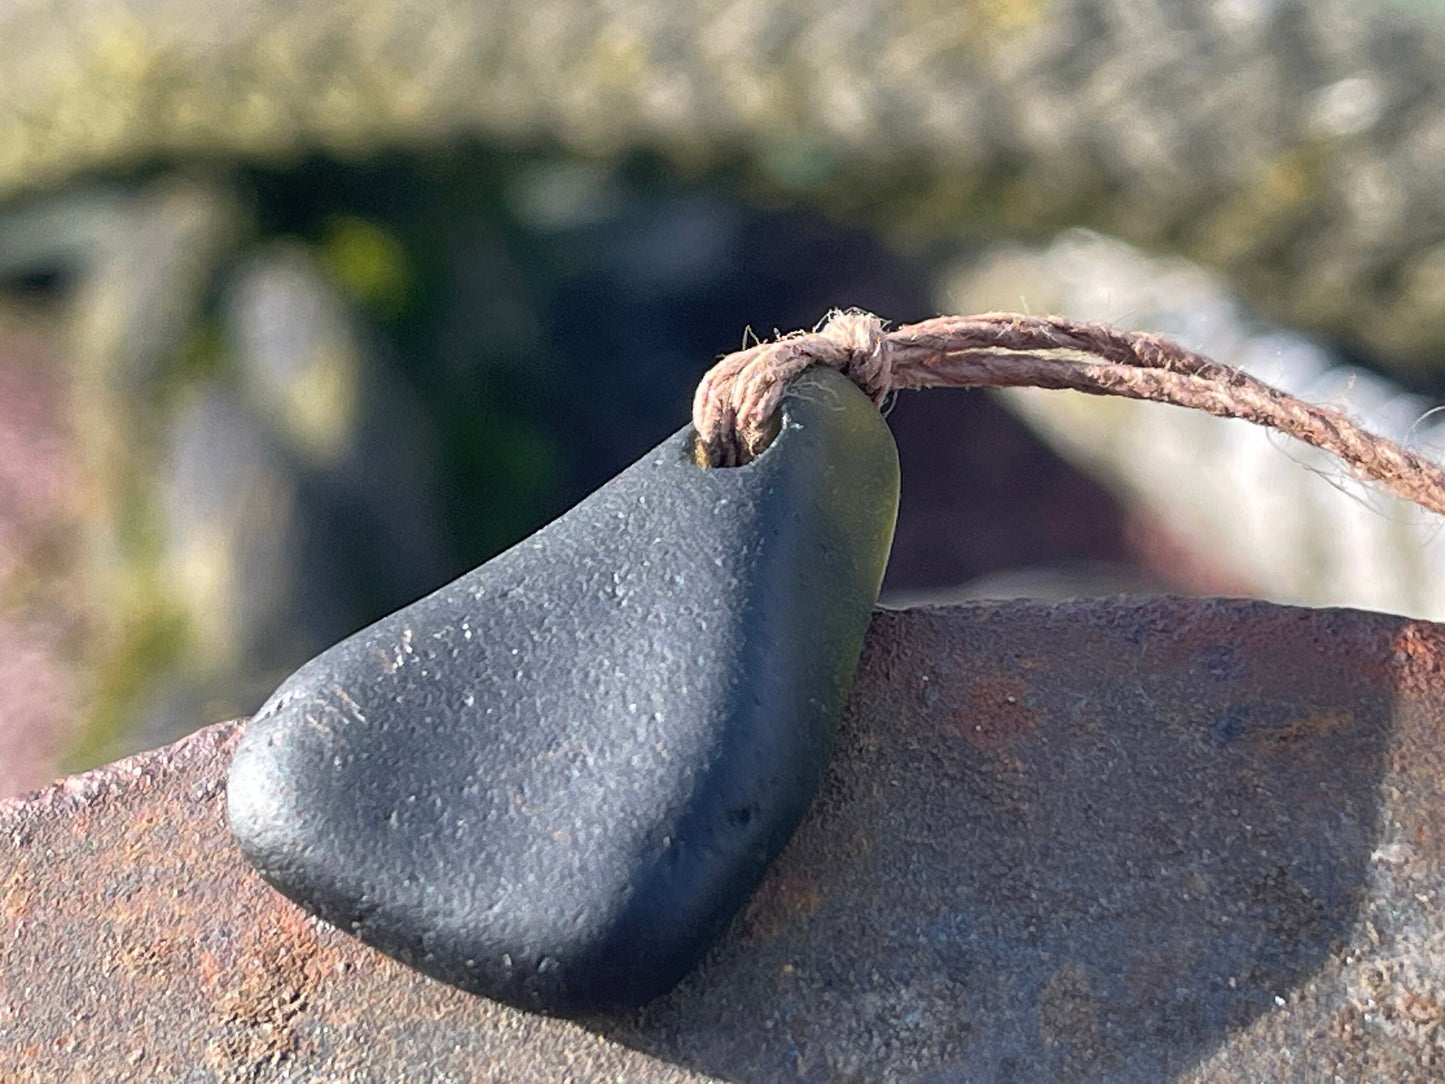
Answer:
(780, 900)
(1415, 644)
(1418, 1014)
(1416, 659)
(152, 958)
(15, 904)
(257, 1018)
(1302, 729)
(994, 716)
(1423, 1010)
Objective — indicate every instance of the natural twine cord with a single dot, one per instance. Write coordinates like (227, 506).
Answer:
(737, 400)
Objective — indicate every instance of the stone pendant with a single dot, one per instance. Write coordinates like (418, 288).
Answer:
(555, 780)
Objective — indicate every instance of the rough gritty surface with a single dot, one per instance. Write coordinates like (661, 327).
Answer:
(1116, 840)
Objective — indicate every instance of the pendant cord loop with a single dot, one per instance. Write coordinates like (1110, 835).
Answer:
(738, 398)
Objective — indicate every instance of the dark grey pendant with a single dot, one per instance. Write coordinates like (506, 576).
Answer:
(555, 780)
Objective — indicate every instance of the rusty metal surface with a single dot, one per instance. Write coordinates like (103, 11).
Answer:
(1110, 840)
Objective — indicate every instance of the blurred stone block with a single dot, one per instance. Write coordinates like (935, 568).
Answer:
(1277, 518)
(1125, 840)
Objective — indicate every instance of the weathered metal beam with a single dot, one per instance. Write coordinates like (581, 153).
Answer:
(1125, 840)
